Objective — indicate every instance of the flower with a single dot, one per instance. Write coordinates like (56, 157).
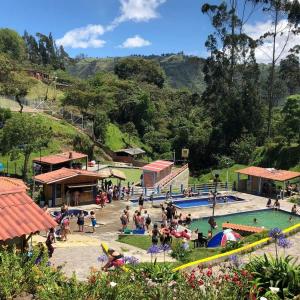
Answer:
(275, 233)
(284, 242)
(102, 258)
(165, 247)
(131, 260)
(153, 249)
(274, 290)
(112, 284)
(263, 298)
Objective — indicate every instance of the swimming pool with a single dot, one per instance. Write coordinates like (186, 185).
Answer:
(71, 212)
(267, 218)
(189, 203)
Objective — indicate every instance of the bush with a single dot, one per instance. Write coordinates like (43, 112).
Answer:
(268, 272)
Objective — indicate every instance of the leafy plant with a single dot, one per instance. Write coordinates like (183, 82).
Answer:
(268, 271)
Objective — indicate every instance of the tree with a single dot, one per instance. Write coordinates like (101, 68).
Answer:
(12, 44)
(22, 135)
(13, 82)
(5, 114)
(130, 130)
(243, 148)
(140, 69)
(290, 72)
(290, 125)
(82, 143)
(101, 122)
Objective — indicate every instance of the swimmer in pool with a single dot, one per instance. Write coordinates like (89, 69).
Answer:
(254, 220)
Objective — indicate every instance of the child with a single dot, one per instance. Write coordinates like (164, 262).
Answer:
(80, 221)
(93, 220)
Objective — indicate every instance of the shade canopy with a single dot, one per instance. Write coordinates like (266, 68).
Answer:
(269, 173)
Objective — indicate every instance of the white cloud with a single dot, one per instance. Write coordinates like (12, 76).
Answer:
(135, 42)
(264, 52)
(83, 37)
(137, 11)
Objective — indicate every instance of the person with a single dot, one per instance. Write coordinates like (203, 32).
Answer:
(174, 211)
(141, 202)
(80, 221)
(151, 199)
(128, 213)
(211, 221)
(49, 241)
(93, 220)
(254, 220)
(276, 205)
(294, 209)
(115, 259)
(167, 195)
(110, 194)
(185, 244)
(155, 234)
(139, 221)
(188, 219)
(269, 203)
(209, 234)
(164, 218)
(169, 213)
(128, 193)
(65, 228)
(123, 193)
(194, 237)
(134, 218)
(124, 220)
(76, 198)
(147, 220)
(68, 197)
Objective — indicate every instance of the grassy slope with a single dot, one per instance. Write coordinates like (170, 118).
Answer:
(116, 139)
(208, 177)
(38, 91)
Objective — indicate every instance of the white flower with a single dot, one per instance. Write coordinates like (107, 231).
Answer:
(263, 298)
(112, 284)
(274, 290)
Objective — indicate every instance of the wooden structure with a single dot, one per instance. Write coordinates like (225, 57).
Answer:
(155, 172)
(60, 186)
(54, 162)
(128, 155)
(262, 180)
(20, 217)
(243, 230)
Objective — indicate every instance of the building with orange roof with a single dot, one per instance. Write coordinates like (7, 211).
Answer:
(20, 217)
(70, 159)
(262, 181)
(60, 186)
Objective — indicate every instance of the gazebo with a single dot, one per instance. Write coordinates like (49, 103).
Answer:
(262, 180)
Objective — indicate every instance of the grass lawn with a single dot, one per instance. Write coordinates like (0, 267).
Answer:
(132, 175)
(208, 177)
(116, 139)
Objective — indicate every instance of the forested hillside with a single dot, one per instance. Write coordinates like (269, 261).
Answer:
(226, 108)
(180, 70)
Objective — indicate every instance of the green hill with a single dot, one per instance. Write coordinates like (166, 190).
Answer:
(181, 71)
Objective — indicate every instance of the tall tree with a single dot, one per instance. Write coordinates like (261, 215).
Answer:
(22, 135)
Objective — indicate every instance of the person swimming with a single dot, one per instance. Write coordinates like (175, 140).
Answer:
(254, 220)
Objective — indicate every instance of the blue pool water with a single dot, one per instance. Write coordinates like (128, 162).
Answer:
(205, 201)
(71, 212)
(161, 198)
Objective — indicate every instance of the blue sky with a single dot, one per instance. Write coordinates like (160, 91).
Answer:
(115, 27)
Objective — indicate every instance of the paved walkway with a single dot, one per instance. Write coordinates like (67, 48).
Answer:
(80, 252)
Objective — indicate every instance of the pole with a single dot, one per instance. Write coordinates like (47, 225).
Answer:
(174, 156)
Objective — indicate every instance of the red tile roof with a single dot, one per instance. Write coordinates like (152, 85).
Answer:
(11, 183)
(64, 173)
(269, 173)
(60, 158)
(19, 215)
(239, 227)
(157, 166)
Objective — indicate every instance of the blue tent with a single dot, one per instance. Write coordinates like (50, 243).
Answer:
(215, 241)
(1, 167)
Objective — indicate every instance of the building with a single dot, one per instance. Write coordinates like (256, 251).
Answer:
(20, 217)
(54, 162)
(262, 181)
(155, 172)
(59, 186)
(128, 155)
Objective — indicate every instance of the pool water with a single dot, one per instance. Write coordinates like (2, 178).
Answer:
(204, 201)
(268, 218)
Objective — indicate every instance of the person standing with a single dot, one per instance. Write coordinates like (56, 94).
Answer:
(141, 202)
(110, 194)
(49, 241)
(68, 197)
(169, 213)
(124, 220)
(80, 221)
(76, 198)
(93, 220)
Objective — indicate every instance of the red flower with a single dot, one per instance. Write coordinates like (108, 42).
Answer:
(200, 282)
(209, 273)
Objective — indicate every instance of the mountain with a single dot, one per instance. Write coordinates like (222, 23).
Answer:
(182, 71)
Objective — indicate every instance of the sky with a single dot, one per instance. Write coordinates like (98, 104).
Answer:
(105, 28)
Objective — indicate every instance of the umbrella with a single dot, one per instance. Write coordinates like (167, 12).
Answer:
(229, 235)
